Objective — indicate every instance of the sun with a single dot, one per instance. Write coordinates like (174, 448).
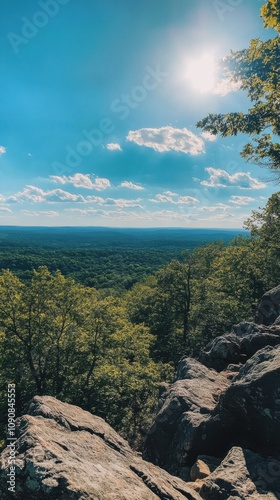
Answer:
(202, 72)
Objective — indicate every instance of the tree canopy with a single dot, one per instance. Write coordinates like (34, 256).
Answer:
(257, 69)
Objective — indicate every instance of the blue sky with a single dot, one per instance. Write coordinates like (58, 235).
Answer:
(100, 102)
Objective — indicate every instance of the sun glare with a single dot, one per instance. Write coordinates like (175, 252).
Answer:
(201, 73)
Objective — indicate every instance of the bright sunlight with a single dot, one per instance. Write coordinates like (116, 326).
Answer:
(201, 72)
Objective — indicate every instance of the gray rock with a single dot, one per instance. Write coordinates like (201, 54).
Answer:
(63, 452)
(222, 351)
(277, 321)
(250, 408)
(243, 475)
(269, 308)
(256, 341)
(205, 413)
(245, 328)
(237, 347)
(177, 435)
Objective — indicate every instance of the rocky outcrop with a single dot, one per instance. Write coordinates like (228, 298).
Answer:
(269, 308)
(249, 410)
(63, 452)
(226, 406)
(240, 345)
(222, 351)
(243, 474)
(217, 430)
(206, 412)
(174, 441)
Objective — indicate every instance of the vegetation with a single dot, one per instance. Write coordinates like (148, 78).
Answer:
(257, 68)
(113, 260)
(108, 352)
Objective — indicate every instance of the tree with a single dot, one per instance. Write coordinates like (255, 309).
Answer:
(257, 68)
(265, 227)
(60, 338)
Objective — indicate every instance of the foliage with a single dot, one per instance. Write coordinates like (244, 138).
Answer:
(265, 227)
(61, 338)
(257, 68)
(109, 353)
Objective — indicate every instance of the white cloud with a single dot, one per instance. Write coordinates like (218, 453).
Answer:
(5, 209)
(169, 214)
(168, 139)
(170, 193)
(113, 146)
(225, 86)
(181, 200)
(241, 200)
(130, 185)
(83, 181)
(94, 199)
(50, 213)
(2, 150)
(122, 203)
(186, 200)
(208, 136)
(34, 194)
(221, 178)
(220, 217)
(219, 207)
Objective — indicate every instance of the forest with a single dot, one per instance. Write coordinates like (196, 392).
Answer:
(109, 351)
(103, 258)
(106, 339)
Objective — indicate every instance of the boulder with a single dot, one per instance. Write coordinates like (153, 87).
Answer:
(222, 351)
(243, 475)
(269, 308)
(238, 346)
(177, 435)
(256, 341)
(199, 470)
(63, 452)
(277, 321)
(206, 413)
(249, 409)
(245, 328)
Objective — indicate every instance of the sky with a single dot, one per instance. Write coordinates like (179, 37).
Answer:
(100, 100)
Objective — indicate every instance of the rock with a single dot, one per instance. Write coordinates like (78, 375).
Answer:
(199, 470)
(269, 308)
(249, 409)
(245, 328)
(63, 452)
(239, 345)
(205, 413)
(277, 321)
(177, 436)
(244, 475)
(222, 351)
(256, 341)
(211, 462)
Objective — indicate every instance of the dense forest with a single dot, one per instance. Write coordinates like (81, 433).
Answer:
(112, 259)
(108, 352)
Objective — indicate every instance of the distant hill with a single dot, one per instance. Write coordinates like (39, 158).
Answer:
(100, 237)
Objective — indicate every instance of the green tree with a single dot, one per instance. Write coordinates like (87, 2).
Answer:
(265, 228)
(60, 338)
(163, 303)
(257, 68)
